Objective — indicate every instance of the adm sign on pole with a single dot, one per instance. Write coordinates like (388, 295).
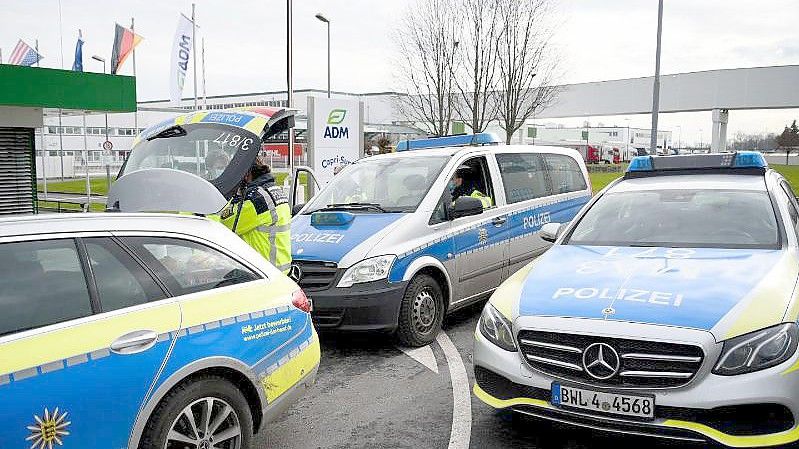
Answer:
(335, 134)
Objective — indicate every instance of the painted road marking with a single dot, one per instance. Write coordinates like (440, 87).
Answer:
(423, 355)
(461, 431)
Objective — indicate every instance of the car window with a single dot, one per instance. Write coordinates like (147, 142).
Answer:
(680, 218)
(565, 173)
(120, 281)
(41, 283)
(792, 210)
(523, 175)
(188, 267)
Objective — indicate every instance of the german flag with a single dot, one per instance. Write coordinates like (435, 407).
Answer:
(124, 41)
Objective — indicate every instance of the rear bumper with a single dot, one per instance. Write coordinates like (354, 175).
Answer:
(287, 399)
(362, 307)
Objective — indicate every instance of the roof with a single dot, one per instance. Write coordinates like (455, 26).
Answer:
(692, 182)
(99, 222)
(452, 151)
(37, 87)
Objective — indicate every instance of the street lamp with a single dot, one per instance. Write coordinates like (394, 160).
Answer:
(107, 167)
(325, 20)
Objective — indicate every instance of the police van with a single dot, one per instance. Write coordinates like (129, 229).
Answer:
(385, 246)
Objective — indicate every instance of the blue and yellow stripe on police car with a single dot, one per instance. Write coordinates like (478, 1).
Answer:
(773, 439)
(84, 338)
(275, 339)
(765, 306)
(255, 124)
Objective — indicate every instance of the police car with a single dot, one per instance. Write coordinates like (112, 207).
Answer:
(667, 307)
(144, 331)
(384, 247)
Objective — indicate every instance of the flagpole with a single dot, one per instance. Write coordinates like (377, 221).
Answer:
(136, 112)
(205, 97)
(44, 158)
(194, 52)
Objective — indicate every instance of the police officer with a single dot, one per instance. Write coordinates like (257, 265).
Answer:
(464, 185)
(261, 216)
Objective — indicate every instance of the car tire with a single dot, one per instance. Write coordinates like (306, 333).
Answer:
(421, 312)
(193, 397)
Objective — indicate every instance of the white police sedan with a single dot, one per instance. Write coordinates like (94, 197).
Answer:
(667, 307)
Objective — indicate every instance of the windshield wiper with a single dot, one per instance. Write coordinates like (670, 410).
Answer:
(172, 131)
(374, 206)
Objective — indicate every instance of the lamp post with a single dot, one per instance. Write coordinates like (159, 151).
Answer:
(325, 20)
(107, 168)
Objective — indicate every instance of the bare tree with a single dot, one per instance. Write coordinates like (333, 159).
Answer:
(427, 42)
(527, 66)
(477, 68)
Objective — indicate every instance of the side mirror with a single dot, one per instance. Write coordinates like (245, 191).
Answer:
(466, 206)
(551, 231)
(296, 209)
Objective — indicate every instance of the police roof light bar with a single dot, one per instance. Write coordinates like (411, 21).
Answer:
(721, 162)
(460, 140)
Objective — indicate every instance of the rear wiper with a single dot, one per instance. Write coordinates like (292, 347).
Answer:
(374, 206)
(172, 131)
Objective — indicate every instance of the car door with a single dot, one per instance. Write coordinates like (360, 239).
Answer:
(480, 241)
(230, 311)
(84, 333)
(526, 187)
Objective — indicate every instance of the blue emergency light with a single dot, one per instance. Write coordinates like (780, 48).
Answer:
(461, 140)
(331, 218)
(650, 165)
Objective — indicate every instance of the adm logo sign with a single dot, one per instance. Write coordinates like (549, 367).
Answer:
(333, 130)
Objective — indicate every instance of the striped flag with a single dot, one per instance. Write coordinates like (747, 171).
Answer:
(124, 41)
(23, 54)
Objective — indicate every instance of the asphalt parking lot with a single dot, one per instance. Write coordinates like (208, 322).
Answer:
(371, 394)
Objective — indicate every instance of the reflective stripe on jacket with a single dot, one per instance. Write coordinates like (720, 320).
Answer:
(265, 221)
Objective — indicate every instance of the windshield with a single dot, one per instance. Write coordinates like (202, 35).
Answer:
(680, 218)
(396, 184)
(204, 149)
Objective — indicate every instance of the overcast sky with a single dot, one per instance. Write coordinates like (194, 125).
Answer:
(246, 44)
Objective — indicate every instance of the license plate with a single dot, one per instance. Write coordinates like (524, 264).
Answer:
(603, 402)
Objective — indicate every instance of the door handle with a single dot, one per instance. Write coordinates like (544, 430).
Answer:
(134, 342)
(499, 221)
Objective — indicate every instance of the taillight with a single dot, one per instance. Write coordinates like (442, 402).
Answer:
(301, 301)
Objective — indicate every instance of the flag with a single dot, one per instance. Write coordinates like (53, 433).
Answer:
(23, 54)
(124, 41)
(181, 53)
(77, 66)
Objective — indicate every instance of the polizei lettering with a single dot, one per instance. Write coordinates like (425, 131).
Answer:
(321, 237)
(622, 294)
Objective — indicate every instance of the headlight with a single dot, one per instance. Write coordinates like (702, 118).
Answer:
(758, 350)
(368, 270)
(496, 328)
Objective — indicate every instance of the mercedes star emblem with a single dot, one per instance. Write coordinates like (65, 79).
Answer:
(295, 272)
(601, 361)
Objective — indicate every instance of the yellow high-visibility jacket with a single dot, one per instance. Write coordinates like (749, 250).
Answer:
(265, 220)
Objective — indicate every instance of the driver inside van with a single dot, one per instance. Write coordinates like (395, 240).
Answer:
(464, 184)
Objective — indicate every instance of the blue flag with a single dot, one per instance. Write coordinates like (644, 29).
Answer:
(78, 64)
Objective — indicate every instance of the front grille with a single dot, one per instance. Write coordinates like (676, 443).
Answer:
(642, 364)
(316, 275)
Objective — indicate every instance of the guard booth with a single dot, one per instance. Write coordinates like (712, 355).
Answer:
(27, 94)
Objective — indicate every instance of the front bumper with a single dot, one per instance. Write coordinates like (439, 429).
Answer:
(362, 307)
(690, 413)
